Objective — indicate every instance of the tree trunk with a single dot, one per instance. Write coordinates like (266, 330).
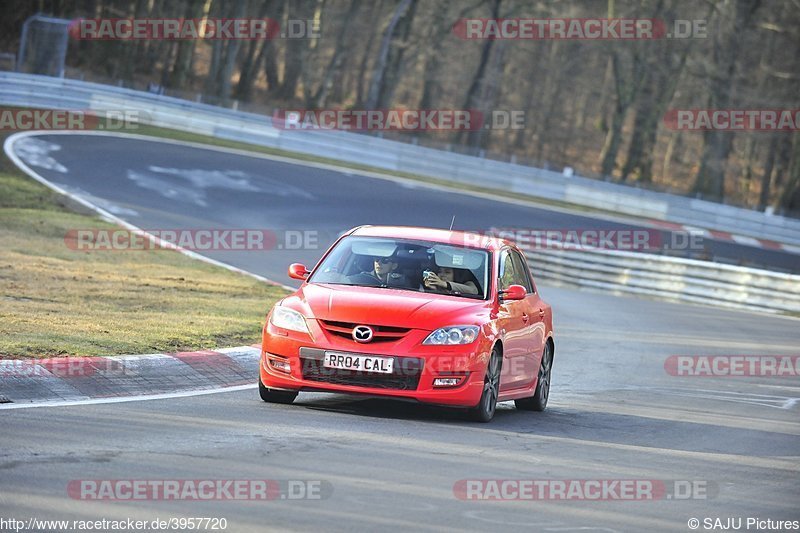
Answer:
(660, 87)
(547, 101)
(362, 69)
(320, 97)
(395, 64)
(766, 176)
(673, 145)
(231, 54)
(186, 47)
(477, 139)
(710, 180)
(626, 92)
(212, 80)
(475, 86)
(432, 58)
(271, 67)
(790, 199)
(134, 49)
(294, 52)
(253, 60)
(379, 70)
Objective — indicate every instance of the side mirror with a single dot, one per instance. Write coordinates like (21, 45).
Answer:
(298, 271)
(514, 292)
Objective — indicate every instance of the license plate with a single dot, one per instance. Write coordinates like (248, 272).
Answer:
(362, 363)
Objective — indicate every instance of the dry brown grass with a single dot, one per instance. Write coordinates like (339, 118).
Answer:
(57, 301)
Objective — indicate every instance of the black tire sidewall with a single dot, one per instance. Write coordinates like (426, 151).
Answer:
(480, 411)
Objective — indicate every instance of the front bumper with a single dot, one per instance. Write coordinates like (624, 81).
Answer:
(415, 366)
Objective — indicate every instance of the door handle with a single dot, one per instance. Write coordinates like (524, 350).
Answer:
(525, 317)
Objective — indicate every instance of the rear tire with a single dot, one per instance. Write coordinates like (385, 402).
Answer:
(484, 411)
(538, 401)
(275, 396)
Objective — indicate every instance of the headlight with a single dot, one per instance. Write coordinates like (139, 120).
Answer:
(453, 335)
(286, 318)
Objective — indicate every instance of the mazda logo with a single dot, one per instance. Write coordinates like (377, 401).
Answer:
(362, 333)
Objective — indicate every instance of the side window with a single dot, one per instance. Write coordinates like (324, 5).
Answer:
(506, 278)
(522, 274)
(513, 271)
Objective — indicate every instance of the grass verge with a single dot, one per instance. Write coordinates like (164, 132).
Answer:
(58, 301)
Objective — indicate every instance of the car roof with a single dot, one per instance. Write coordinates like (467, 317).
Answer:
(456, 238)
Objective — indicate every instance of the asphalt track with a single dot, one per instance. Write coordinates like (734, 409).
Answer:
(166, 186)
(614, 413)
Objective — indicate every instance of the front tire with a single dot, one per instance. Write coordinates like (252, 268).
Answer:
(538, 401)
(275, 396)
(487, 405)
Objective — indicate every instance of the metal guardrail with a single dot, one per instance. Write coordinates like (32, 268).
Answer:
(668, 278)
(42, 91)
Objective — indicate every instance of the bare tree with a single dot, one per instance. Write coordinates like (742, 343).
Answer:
(381, 64)
(710, 180)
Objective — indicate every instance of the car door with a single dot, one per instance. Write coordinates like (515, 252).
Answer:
(514, 320)
(536, 328)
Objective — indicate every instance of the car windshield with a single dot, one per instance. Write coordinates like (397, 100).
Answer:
(403, 264)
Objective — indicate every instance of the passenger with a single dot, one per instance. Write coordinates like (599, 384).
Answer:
(444, 281)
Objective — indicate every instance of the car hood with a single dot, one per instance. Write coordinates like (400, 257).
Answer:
(387, 307)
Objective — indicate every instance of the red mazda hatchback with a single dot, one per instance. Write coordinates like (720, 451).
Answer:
(442, 317)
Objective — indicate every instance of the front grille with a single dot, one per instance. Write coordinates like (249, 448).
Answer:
(380, 333)
(405, 372)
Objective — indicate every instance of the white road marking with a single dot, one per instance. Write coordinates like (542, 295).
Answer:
(170, 191)
(36, 152)
(763, 400)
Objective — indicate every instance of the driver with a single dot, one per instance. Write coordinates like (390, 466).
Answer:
(383, 270)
